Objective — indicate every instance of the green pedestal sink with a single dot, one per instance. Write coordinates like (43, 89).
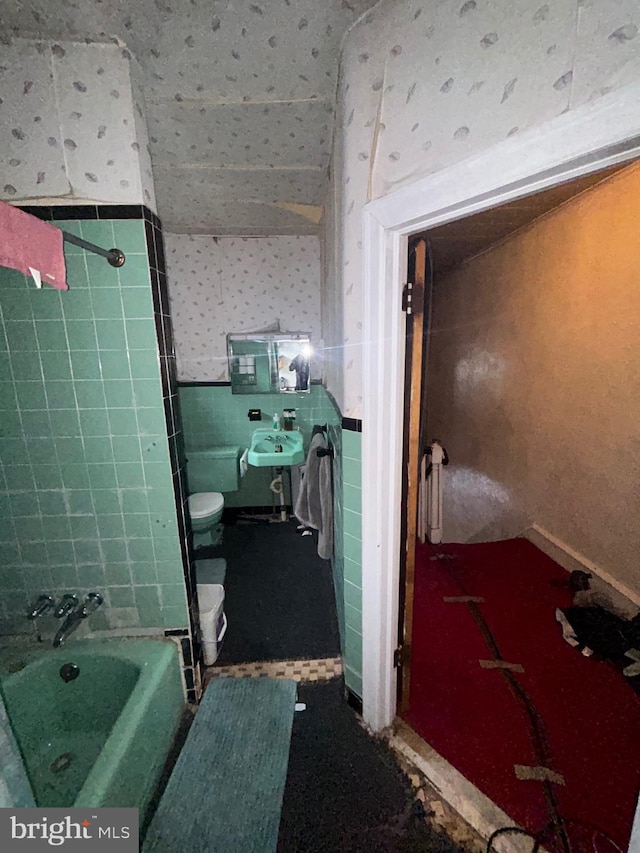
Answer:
(275, 447)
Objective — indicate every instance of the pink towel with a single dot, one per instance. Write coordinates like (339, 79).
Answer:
(27, 243)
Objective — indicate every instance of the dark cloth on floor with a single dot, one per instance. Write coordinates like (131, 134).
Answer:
(593, 630)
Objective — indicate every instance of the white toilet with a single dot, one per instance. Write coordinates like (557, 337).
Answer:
(210, 472)
(205, 510)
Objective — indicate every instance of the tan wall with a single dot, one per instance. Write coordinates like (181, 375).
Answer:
(534, 381)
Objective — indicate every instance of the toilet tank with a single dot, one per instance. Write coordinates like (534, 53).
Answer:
(213, 469)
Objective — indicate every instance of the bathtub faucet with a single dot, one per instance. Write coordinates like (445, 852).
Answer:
(67, 605)
(41, 604)
(92, 601)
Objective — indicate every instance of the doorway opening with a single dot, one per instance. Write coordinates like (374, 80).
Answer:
(574, 144)
(518, 322)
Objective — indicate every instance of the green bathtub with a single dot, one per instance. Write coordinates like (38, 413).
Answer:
(103, 738)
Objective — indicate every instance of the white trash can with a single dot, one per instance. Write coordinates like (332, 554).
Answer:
(213, 621)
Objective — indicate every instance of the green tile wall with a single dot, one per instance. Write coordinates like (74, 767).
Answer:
(212, 415)
(352, 521)
(86, 496)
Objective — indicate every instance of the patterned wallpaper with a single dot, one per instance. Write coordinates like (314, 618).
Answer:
(424, 85)
(221, 285)
(70, 126)
(240, 99)
(245, 92)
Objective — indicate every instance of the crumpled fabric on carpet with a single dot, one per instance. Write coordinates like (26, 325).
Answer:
(604, 634)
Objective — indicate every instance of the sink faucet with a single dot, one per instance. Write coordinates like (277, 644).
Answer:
(40, 606)
(75, 615)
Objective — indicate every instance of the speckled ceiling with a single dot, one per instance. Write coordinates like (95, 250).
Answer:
(239, 98)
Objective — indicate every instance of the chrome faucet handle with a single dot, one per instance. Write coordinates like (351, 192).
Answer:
(92, 601)
(66, 605)
(40, 605)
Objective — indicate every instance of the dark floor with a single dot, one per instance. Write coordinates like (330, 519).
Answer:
(345, 791)
(279, 597)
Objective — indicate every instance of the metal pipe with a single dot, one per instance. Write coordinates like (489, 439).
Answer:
(115, 257)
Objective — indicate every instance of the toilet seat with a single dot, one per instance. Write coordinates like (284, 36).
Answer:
(203, 504)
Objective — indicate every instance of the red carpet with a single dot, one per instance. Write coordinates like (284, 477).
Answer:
(471, 716)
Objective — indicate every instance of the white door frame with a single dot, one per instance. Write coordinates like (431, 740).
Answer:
(593, 137)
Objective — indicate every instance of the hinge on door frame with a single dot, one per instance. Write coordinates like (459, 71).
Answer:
(401, 656)
(412, 297)
(407, 296)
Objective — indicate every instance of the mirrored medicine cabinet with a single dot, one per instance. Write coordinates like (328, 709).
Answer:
(269, 363)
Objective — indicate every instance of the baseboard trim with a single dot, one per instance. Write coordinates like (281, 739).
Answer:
(481, 813)
(572, 560)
